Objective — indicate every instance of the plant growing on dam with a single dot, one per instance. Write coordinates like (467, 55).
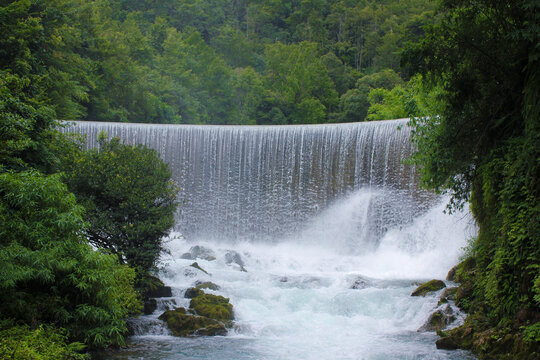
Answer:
(129, 199)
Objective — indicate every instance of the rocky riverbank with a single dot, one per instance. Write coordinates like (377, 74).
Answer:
(478, 334)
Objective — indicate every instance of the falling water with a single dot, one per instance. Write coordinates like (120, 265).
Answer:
(312, 211)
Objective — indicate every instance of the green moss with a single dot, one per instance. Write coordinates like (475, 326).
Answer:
(182, 324)
(427, 287)
(212, 306)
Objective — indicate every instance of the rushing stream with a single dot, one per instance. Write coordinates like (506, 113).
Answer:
(318, 234)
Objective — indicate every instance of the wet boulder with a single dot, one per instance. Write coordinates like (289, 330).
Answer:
(439, 320)
(451, 276)
(447, 343)
(428, 287)
(212, 306)
(150, 306)
(193, 292)
(199, 252)
(232, 257)
(182, 324)
(206, 285)
(360, 283)
(448, 294)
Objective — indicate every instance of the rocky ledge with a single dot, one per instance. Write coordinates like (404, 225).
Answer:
(504, 340)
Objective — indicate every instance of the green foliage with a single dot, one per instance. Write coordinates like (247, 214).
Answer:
(187, 61)
(37, 44)
(25, 125)
(49, 273)
(531, 334)
(355, 103)
(301, 86)
(413, 99)
(386, 104)
(42, 343)
(483, 147)
(129, 199)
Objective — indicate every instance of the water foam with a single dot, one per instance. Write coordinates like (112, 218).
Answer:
(297, 297)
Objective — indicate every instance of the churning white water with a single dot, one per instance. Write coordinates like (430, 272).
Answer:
(317, 234)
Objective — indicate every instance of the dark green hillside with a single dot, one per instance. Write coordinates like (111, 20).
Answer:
(209, 62)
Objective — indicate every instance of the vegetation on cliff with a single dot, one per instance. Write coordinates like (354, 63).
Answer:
(484, 147)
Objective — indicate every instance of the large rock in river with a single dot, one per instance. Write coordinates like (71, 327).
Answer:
(232, 257)
(212, 306)
(182, 324)
(199, 252)
(206, 285)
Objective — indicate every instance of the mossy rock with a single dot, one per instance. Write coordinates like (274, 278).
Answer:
(447, 343)
(212, 306)
(448, 294)
(193, 292)
(439, 320)
(463, 295)
(499, 342)
(207, 285)
(451, 276)
(465, 270)
(427, 287)
(182, 324)
(458, 338)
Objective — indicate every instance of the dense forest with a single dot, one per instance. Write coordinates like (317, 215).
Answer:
(210, 62)
(467, 72)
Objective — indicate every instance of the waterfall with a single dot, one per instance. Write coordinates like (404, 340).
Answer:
(262, 183)
(318, 234)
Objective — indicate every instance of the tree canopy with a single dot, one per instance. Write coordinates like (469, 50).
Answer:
(206, 62)
(129, 198)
